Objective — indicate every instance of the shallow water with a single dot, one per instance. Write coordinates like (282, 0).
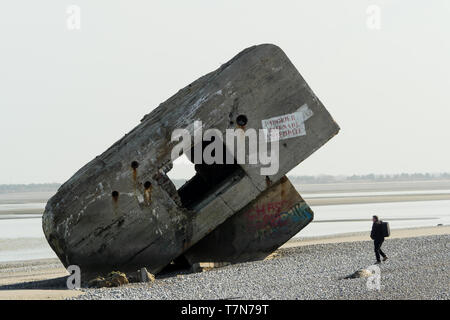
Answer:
(17, 207)
(22, 238)
(335, 219)
(373, 193)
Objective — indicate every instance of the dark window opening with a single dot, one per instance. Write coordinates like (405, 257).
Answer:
(181, 171)
(208, 180)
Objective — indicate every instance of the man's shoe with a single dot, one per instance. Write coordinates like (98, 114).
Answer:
(385, 258)
(378, 262)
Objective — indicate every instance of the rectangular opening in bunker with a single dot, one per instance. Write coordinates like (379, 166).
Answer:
(205, 179)
(182, 171)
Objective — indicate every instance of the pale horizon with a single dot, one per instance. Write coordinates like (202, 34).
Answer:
(67, 95)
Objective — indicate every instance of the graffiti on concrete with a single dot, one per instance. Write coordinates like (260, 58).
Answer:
(271, 218)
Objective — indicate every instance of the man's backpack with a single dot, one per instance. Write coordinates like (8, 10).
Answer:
(385, 230)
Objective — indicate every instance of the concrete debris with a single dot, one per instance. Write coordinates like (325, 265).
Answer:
(113, 279)
(146, 276)
(206, 266)
(142, 275)
(117, 278)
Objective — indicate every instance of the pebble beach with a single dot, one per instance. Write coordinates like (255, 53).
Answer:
(417, 268)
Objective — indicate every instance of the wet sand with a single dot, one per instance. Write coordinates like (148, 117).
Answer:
(41, 279)
(364, 236)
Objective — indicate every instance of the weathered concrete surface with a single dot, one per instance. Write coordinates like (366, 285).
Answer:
(257, 230)
(121, 212)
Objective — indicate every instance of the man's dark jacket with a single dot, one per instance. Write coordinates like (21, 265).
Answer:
(377, 232)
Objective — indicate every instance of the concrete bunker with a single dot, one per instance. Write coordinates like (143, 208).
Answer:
(121, 211)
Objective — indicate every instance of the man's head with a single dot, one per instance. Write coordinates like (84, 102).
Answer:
(375, 218)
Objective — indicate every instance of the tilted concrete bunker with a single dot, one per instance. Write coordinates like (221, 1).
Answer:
(122, 212)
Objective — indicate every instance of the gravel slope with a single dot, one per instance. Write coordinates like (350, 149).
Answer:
(418, 268)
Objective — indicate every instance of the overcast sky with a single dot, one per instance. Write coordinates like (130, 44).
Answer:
(67, 95)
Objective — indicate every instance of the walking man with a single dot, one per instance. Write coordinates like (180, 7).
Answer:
(378, 238)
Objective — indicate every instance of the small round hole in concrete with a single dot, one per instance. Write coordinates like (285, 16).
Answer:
(241, 120)
(115, 195)
(135, 164)
(147, 185)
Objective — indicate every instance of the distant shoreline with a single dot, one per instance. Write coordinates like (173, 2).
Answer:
(325, 201)
(375, 199)
(317, 180)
